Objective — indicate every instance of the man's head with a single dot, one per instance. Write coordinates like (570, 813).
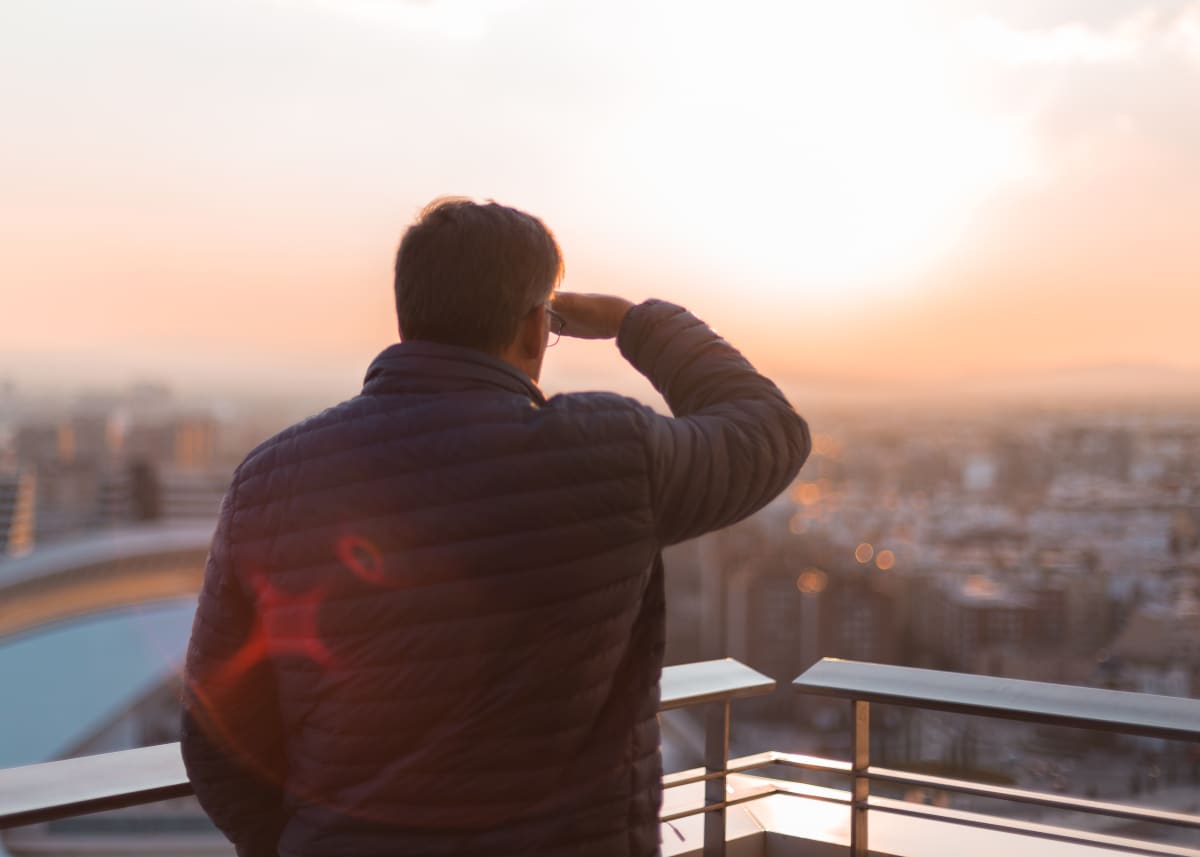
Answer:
(477, 276)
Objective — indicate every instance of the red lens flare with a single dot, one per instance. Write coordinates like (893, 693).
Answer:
(362, 558)
(285, 623)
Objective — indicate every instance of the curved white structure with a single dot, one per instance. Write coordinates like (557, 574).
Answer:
(102, 571)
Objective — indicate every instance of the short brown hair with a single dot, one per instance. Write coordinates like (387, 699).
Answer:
(466, 273)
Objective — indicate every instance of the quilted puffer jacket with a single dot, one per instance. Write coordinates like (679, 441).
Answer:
(432, 617)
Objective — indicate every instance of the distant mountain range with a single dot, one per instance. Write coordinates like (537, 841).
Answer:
(1071, 385)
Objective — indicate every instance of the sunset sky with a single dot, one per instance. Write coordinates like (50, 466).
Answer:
(209, 192)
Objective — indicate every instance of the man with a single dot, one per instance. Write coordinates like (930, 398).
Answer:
(432, 617)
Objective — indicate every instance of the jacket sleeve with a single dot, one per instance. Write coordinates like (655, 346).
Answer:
(734, 442)
(231, 737)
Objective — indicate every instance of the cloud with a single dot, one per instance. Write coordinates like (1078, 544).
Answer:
(1146, 33)
(1109, 97)
(464, 20)
(1184, 35)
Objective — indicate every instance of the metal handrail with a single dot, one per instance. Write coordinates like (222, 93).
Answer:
(62, 789)
(1036, 798)
(1170, 717)
(862, 684)
(711, 681)
(70, 787)
(713, 684)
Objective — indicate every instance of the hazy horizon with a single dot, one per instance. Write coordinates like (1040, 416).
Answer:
(314, 387)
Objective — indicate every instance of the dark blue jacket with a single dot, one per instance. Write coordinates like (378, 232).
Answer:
(432, 618)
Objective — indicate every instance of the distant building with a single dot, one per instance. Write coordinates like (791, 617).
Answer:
(90, 437)
(780, 604)
(103, 466)
(18, 509)
(94, 438)
(1095, 450)
(66, 499)
(1184, 537)
(185, 442)
(968, 620)
(1023, 470)
(44, 443)
(1158, 650)
(143, 491)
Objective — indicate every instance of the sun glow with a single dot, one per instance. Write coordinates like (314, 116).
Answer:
(817, 152)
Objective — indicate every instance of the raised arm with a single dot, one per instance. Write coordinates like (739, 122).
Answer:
(734, 442)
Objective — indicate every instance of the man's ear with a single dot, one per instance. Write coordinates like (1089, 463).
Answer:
(531, 335)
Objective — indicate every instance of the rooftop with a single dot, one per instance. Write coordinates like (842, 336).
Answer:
(123, 544)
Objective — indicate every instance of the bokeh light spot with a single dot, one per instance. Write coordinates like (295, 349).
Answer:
(812, 581)
(886, 560)
(864, 552)
(827, 446)
(806, 493)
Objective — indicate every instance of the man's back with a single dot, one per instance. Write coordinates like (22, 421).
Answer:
(432, 620)
(474, 565)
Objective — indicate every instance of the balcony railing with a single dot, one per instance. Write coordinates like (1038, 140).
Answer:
(1171, 718)
(73, 787)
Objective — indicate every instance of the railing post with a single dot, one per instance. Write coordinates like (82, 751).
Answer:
(716, 760)
(860, 735)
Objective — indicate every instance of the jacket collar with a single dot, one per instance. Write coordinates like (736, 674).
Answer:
(430, 367)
